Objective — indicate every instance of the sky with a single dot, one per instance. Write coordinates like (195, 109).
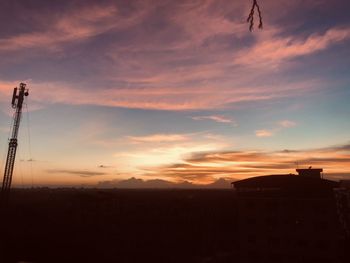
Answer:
(175, 90)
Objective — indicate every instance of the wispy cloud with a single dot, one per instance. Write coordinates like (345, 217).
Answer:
(287, 124)
(81, 173)
(281, 125)
(29, 160)
(216, 118)
(176, 66)
(206, 166)
(103, 166)
(159, 149)
(162, 98)
(73, 26)
(6, 87)
(263, 133)
(274, 49)
(159, 138)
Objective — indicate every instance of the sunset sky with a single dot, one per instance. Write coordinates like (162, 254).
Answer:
(175, 90)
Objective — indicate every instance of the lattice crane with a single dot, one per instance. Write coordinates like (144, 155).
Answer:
(17, 103)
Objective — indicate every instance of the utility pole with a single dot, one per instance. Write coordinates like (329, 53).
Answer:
(17, 102)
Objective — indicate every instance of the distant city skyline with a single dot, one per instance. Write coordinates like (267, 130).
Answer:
(175, 90)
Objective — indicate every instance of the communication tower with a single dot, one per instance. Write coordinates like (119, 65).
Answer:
(17, 103)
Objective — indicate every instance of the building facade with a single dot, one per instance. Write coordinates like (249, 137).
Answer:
(289, 218)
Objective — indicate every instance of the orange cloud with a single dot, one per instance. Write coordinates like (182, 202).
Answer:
(208, 166)
(158, 138)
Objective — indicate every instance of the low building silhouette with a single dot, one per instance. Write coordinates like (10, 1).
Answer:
(342, 197)
(289, 218)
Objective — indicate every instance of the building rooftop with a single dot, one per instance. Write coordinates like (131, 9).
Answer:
(285, 181)
(311, 172)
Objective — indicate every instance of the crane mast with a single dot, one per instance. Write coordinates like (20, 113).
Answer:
(17, 103)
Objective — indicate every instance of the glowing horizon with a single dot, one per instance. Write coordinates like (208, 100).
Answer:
(178, 91)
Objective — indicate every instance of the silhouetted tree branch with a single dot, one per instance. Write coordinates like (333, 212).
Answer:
(250, 18)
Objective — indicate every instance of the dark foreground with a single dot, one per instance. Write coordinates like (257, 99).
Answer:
(90, 225)
(68, 225)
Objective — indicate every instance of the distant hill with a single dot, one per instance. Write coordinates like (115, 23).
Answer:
(136, 183)
(220, 183)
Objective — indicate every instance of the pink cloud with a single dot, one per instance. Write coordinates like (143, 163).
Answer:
(269, 133)
(263, 133)
(161, 98)
(75, 25)
(216, 118)
(287, 124)
(6, 87)
(271, 49)
(162, 72)
(201, 22)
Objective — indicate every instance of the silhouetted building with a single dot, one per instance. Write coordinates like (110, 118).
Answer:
(314, 173)
(342, 195)
(288, 218)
